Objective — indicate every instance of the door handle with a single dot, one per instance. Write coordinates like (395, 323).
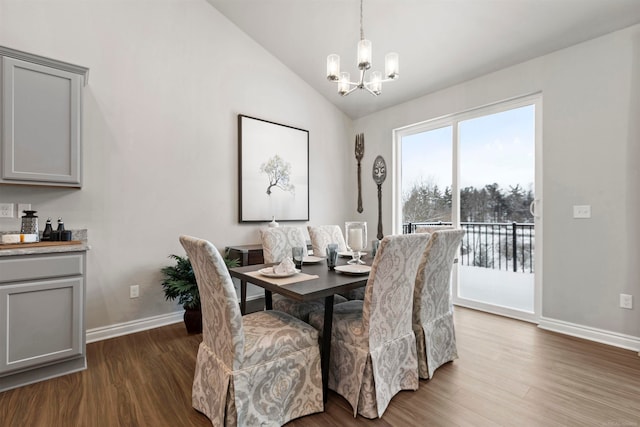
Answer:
(532, 208)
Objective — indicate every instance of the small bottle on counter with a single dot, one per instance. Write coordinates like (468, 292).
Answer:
(56, 234)
(46, 234)
(63, 235)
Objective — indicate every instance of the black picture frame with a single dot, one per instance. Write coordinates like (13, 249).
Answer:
(273, 171)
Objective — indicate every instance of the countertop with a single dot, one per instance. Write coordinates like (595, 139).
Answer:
(79, 235)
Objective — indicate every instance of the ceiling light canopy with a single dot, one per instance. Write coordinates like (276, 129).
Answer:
(373, 86)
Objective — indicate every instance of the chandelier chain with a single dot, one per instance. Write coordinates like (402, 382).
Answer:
(361, 26)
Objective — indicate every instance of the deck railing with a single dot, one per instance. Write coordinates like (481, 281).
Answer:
(501, 246)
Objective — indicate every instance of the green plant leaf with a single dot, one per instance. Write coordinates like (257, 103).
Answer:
(180, 281)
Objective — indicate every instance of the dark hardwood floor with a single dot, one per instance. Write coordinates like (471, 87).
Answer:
(509, 373)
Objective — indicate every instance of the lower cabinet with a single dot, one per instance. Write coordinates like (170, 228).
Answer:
(42, 332)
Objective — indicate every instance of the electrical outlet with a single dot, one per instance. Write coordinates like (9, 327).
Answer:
(583, 211)
(6, 210)
(23, 207)
(626, 301)
(134, 291)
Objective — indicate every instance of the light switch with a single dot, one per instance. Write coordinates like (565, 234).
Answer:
(582, 211)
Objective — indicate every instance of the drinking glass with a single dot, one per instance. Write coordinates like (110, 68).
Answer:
(332, 255)
(374, 247)
(356, 239)
(297, 253)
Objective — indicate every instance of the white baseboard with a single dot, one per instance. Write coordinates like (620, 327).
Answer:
(139, 325)
(593, 334)
(119, 329)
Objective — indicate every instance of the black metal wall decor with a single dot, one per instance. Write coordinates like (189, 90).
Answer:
(359, 155)
(379, 175)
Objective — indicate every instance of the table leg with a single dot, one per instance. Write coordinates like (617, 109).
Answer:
(243, 297)
(326, 345)
(268, 301)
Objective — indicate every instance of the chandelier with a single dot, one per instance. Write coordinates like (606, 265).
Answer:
(373, 86)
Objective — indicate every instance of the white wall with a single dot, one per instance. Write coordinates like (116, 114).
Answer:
(591, 155)
(167, 81)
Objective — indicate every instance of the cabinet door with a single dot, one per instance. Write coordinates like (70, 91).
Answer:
(41, 124)
(41, 322)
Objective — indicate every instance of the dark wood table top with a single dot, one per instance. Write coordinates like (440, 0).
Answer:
(328, 282)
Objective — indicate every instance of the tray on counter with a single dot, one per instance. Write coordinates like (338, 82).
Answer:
(39, 244)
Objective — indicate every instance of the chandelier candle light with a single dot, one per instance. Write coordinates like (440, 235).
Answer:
(373, 86)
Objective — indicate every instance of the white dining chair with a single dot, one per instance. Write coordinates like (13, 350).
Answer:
(259, 369)
(373, 347)
(322, 235)
(276, 246)
(432, 307)
(433, 228)
(277, 242)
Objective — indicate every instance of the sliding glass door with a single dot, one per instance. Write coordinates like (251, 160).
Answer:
(477, 170)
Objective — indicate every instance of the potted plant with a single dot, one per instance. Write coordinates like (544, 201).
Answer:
(180, 283)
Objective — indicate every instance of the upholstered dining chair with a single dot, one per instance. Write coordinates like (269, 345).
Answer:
(258, 369)
(373, 348)
(322, 235)
(276, 246)
(432, 306)
(278, 241)
(433, 228)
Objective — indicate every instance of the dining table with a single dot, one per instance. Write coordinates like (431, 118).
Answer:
(314, 281)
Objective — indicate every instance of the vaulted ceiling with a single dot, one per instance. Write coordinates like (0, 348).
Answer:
(440, 42)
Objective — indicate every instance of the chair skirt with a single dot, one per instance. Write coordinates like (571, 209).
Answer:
(367, 378)
(435, 344)
(268, 391)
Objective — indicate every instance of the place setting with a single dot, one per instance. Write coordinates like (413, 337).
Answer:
(286, 272)
(356, 236)
(311, 259)
(353, 269)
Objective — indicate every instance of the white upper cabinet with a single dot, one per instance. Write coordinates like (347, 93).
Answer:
(41, 120)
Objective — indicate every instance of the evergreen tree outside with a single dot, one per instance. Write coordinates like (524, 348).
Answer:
(426, 202)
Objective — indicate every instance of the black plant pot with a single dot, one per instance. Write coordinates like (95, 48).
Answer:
(193, 320)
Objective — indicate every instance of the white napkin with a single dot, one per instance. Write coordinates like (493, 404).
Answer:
(285, 267)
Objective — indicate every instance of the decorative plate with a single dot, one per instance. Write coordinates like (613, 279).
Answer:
(353, 269)
(268, 271)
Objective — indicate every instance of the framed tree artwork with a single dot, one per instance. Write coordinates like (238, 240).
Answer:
(273, 171)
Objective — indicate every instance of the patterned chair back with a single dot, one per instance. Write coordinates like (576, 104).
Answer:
(278, 241)
(222, 328)
(433, 228)
(389, 289)
(432, 294)
(322, 235)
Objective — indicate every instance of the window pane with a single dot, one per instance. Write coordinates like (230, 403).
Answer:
(426, 176)
(497, 157)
